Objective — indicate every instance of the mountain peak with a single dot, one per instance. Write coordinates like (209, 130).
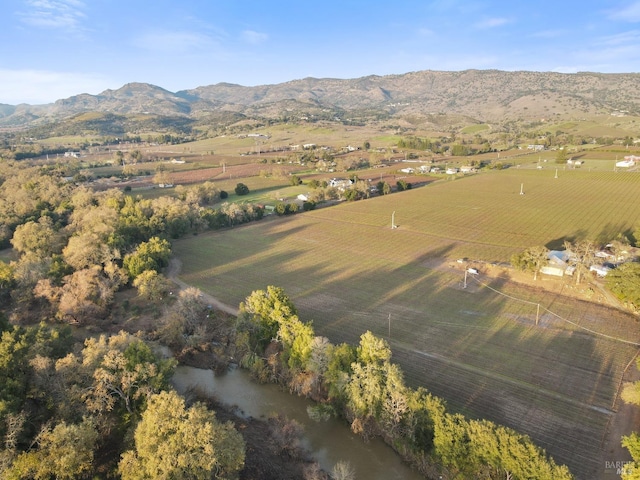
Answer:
(485, 95)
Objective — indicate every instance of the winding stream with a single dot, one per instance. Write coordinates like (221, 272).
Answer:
(329, 442)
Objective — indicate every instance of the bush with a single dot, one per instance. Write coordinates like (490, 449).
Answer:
(401, 185)
(223, 194)
(242, 189)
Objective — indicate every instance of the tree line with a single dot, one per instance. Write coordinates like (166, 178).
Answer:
(103, 407)
(362, 385)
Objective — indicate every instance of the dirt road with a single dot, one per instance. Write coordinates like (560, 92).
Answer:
(172, 274)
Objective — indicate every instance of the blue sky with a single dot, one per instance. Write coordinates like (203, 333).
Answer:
(52, 49)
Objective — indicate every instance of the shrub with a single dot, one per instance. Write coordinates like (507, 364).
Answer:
(242, 189)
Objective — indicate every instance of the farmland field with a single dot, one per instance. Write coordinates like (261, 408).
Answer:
(477, 347)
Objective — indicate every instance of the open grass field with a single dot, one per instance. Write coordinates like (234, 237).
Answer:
(348, 271)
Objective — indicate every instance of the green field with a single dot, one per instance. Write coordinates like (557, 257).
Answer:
(348, 271)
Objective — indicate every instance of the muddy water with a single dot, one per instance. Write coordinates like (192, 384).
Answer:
(329, 442)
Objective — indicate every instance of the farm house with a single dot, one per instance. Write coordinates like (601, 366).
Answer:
(557, 265)
(628, 161)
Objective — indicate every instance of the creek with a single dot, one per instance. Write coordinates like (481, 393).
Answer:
(329, 442)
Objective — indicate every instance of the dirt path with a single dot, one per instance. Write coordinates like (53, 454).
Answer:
(173, 270)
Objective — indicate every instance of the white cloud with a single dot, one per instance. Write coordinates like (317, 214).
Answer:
(173, 42)
(67, 14)
(254, 38)
(630, 13)
(41, 86)
(631, 37)
(491, 22)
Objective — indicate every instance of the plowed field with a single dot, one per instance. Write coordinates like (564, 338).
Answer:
(552, 373)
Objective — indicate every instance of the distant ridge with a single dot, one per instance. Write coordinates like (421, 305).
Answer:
(485, 95)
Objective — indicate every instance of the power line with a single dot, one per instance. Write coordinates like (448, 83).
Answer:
(593, 332)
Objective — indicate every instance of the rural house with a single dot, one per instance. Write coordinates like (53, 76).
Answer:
(558, 263)
(340, 183)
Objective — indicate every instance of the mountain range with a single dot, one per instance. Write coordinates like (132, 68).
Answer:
(481, 95)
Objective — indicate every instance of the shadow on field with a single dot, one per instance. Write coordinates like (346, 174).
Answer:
(486, 353)
(610, 232)
(480, 351)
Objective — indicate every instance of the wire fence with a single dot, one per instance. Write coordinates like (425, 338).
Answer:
(559, 317)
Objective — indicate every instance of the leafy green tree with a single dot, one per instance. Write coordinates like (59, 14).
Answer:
(151, 285)
(172, 217)
(265, 311)
(281, 208)
(125, 375)
(632, 470)
(151, 255)
(373, 350)
(561, 155)
(459, 150)
(531, 260)
(624, 283)
(365, 390)
(38, 237)
(6, 279)
(241, 189)
(340, 359)
(383, 188)
(296, 337)
(87, 250)
(172, 441)
(18, 347)
(64, 452)
(402, 185)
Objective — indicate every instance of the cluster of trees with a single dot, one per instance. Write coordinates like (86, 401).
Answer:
(359, 190)
(416, 143)
(78, 247)
(462, 148)
(624, 283)
(361, 384)
(75, 414)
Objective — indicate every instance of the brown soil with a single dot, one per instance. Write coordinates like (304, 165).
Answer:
(626, 418)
